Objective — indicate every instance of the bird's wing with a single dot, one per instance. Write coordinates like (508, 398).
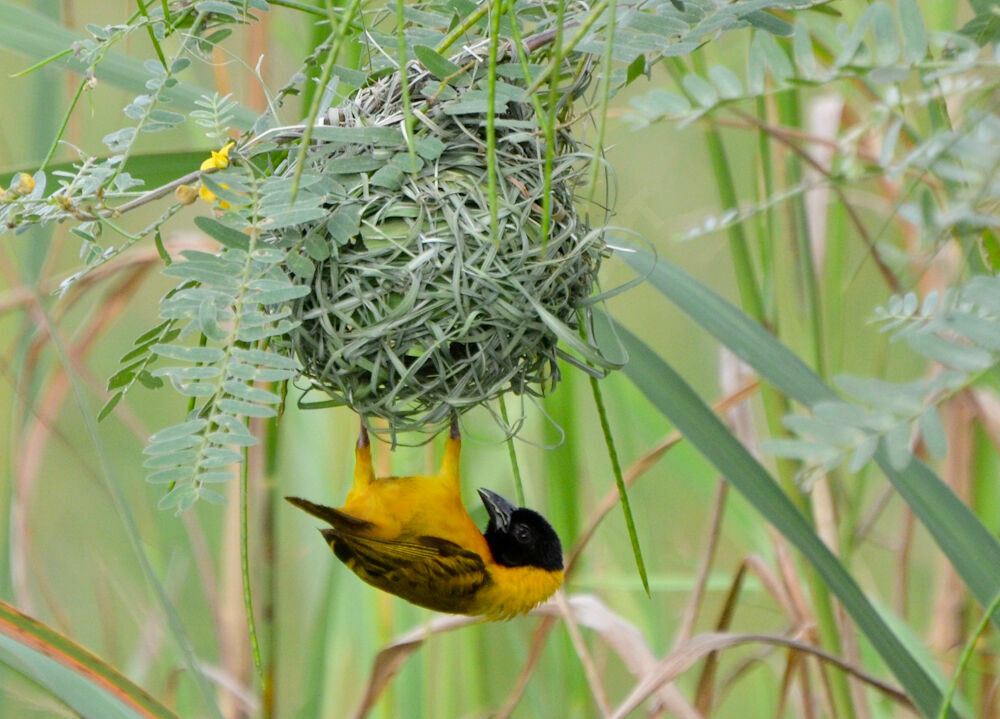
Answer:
(342, 521)
(429, 571)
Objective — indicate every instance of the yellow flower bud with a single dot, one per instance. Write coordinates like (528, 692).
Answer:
(185, 194)
(23, 184)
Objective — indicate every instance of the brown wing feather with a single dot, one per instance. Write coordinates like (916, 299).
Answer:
(428, 571)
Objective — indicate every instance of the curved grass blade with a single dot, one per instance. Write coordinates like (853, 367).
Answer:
(672, 396)
(83, 681)
(969, 546)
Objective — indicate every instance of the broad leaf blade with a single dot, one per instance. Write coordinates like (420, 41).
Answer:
(969, 546)
(672, 396)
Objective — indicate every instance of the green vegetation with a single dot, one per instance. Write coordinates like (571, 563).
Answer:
(792, 207)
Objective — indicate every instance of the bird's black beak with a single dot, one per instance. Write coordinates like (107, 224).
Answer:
(500, 510)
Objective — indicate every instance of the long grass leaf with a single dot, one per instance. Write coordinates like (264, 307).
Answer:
(672, 396)
(969, 546)
(86, 683)
(616, 469)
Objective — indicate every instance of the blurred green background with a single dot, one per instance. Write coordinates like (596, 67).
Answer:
(66, 559)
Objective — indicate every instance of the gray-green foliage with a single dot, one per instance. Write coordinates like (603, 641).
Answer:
(216, 115)
(948, 174)
(882, 48)
(890, 53)
(958, 329)
(224, 325)
(236, 300)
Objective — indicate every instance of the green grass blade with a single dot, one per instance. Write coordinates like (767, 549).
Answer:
(969, 546)
(672, 396)
(616, 469)
(967, 651)
(37, 37)
(90, 686)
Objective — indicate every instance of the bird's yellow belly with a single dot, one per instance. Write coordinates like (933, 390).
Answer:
(515, 590)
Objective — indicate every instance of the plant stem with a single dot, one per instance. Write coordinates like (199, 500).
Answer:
(404, 83)
(463, 27)
(966, 656)
(491, 131)
(245, 568)
(790, 115)
(270, 441)
(620, 482)
(546, 120)
(512, 453)
(324, 78)
(581, 32)
(292, 5)
(62, 127)
(152, 35)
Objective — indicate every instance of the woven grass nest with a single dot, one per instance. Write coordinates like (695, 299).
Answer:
(420, 310)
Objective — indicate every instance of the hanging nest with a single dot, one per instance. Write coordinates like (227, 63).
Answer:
(418, 309)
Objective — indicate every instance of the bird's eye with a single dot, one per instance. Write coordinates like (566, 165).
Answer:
(522, 533)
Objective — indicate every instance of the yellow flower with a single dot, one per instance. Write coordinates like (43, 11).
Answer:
(219, 160)
(208, 196)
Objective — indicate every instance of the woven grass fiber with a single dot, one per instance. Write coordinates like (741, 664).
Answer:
(420, 310)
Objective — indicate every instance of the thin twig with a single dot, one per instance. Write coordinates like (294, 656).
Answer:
(679, 661)
(868, 521)
(708, 555)
(589, 668)
(884, 269)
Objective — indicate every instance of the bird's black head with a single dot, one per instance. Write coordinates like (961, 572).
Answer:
(520, 537)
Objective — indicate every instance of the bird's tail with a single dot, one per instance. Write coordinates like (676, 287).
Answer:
(331, 516)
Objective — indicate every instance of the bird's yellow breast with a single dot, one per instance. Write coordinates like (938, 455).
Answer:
(515, 590)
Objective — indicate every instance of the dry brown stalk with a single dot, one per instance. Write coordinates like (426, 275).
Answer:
(948, 622)
(587, 661)
(620, 635)
(690, 616)
(680, 660)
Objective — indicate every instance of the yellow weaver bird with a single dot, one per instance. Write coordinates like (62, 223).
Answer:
(412, 537)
